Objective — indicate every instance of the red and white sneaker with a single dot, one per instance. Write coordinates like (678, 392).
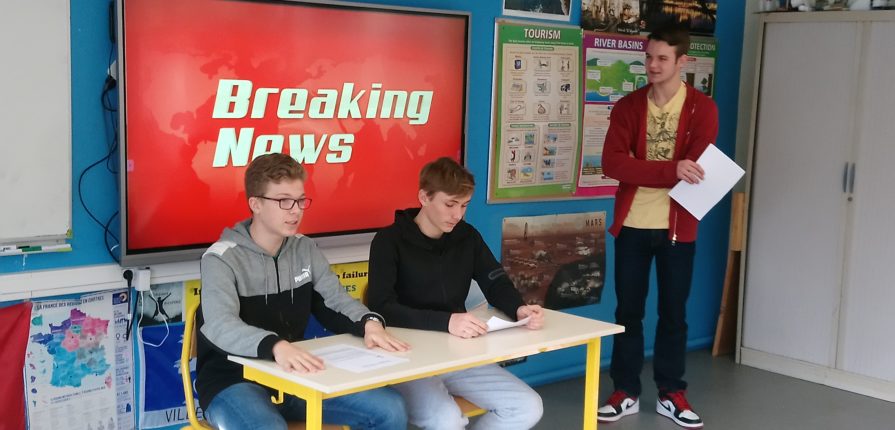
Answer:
(674, 405)
(620, 404)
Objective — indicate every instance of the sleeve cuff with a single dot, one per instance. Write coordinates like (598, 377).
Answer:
(372, 316)
(265, 347)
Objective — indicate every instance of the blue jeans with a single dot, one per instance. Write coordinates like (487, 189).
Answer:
(510, 403)
(247, 406)
(635, 250)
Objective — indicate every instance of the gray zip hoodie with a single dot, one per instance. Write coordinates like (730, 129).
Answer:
(251, 300)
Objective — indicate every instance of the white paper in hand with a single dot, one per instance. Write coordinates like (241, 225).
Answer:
(496, 323)
(721, 174)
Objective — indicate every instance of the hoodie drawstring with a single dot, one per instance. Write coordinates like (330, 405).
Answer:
(266, 278)
(291, 286)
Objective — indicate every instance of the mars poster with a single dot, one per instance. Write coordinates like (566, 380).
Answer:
(557, 261)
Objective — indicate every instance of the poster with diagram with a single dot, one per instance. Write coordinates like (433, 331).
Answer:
(614, 66)
(591, 180)
(78, 367)
(535, 129)
(699, 71)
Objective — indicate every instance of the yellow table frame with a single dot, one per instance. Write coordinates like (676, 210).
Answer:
(314, 398)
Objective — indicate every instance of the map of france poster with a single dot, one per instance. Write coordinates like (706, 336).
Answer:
(72, 372)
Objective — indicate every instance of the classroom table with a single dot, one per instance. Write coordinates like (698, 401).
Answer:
(435, 353)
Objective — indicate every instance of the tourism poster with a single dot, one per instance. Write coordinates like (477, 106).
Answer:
(77, 375)
(556, 261)
(535, 130)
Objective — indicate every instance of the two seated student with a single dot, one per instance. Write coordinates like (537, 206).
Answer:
(261, 281)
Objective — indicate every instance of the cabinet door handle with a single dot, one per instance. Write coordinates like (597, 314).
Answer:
(845, 178)
(851, 179)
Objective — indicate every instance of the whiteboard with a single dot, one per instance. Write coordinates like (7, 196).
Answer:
(35, 121)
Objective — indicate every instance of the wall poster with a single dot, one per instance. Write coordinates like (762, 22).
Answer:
(557, 10)
(699, 72)
(614, 66)
(78, 366)
(699, 16)
(160, 328)
(611, 16)
(557, 261)
(535, 141)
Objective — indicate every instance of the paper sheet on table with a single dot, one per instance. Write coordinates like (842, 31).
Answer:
(721, 174)
(354, 359)
(496, 323)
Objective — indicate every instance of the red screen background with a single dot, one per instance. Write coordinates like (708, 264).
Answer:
(176, 52)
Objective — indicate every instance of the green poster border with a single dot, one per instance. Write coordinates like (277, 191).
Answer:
(696, 52)
(513, 32)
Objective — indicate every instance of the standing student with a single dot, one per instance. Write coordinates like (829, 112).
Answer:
(421, 268)
(261, 281)
(655, 135)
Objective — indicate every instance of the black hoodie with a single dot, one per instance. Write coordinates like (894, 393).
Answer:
(418, 282)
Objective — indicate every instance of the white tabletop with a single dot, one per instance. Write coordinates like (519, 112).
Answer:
(438, 352)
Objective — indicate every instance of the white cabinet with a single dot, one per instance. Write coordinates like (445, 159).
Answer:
(867, 328)
(819, 294)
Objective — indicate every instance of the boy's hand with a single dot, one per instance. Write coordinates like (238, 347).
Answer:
(690, 172)
(375, 335)
(466, 325)
(294, 359)
(536, 312)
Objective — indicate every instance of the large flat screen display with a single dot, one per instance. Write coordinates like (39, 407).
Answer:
(361, 96)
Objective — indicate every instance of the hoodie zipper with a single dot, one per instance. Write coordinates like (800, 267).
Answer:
(674, 224)
(276, 269)
(674, 229)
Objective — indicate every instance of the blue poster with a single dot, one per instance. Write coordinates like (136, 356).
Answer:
(161, 338)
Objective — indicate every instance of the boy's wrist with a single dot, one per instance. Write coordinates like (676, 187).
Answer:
(373, 317)
(278, 347)
(266, 347)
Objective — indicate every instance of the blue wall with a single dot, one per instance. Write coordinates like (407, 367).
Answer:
(90, 52)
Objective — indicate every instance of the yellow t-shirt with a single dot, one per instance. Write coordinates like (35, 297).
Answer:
(651, 206)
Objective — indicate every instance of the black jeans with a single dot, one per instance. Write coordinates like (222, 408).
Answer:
(634, 253)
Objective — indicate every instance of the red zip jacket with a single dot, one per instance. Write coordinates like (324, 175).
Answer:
(698, 127)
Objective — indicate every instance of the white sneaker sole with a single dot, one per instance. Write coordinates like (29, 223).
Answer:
(665, 412)
(630, 411)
